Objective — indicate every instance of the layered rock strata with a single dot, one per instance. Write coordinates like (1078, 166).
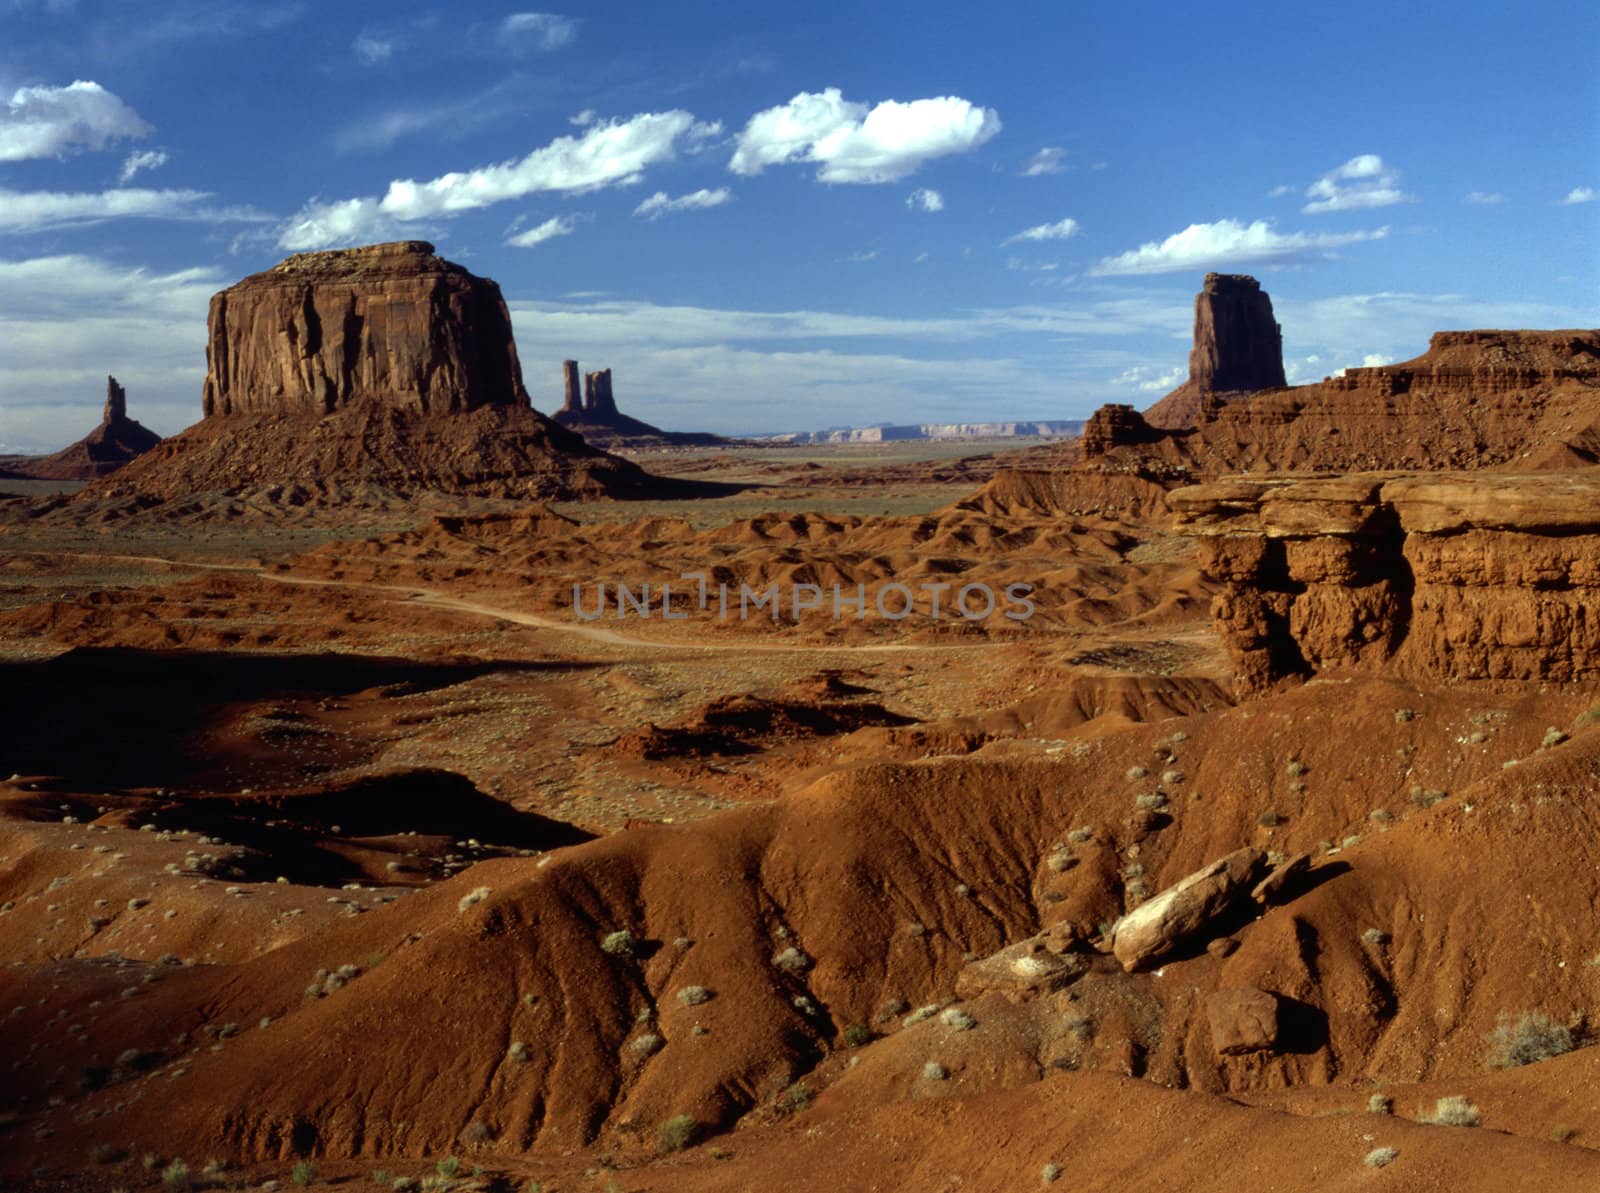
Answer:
(1448, 576)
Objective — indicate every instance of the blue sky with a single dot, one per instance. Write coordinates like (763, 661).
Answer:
(763, 220)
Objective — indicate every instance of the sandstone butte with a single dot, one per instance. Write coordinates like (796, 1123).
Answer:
(593, 414)
(1238, 349)
(383, 368)
(103, 450)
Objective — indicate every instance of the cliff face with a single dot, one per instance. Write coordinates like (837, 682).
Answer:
(1238, 348)
(387, 325)
(1447, 576)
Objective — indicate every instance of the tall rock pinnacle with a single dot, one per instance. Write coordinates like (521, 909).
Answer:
(1238, 345)
(1238, 349)
(116, 403)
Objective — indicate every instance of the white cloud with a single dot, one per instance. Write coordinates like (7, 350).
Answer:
(923, 199)
(607, 153)
(855, 143)
(373, 48)
(862, 255)
(1018, 265)
(1148, 380)
(1483, 199)
(141, 159)
(549, 230)
(659, 204)
(920, 258)
(1581, 194)
(1227, 243)
(541, 31)
(47, 121)
(1049, 160)
(584, 118)
(1362, 182)
(352, 221)
(1060, 230)
(34, 211)
(610, 153)
(1278, 192)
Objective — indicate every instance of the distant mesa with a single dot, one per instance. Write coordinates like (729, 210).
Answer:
(1238, 349)
(595, 416)
(117, 440)
(904, 432)
(384, 366)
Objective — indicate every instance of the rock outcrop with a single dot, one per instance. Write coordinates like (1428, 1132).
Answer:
(1475, 399)
(1238, 349)
(374, 371)
(1445, 576)
(599, 421)
(116, 441)
(387, 325)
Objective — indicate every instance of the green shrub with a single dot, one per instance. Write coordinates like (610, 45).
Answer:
(1454, 1111)
(857, 1034)
(620, 943)
(303, 1173)
(1534, 1036)
(175, 1175)
(1379, 1156)
(678, 1132)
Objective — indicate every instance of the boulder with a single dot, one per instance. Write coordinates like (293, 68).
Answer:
(1243, 1020)
(1021, 971)
(1182, 911)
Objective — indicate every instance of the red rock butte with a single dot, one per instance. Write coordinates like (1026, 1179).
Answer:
(386, 324)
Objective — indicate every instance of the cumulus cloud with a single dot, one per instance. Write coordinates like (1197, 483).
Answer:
(1049, 160)
(1227, 243)
(1362, 182)
(1149, 380)
(1483, 198)
(1060, 230)
(141, 159)
(584, 118)
(659, 204)
(607, 153)
(923, 199)
(1580, 194)
(541, 31)
(36, 211)
(549, 230)
(48, 121)
(853, 142)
